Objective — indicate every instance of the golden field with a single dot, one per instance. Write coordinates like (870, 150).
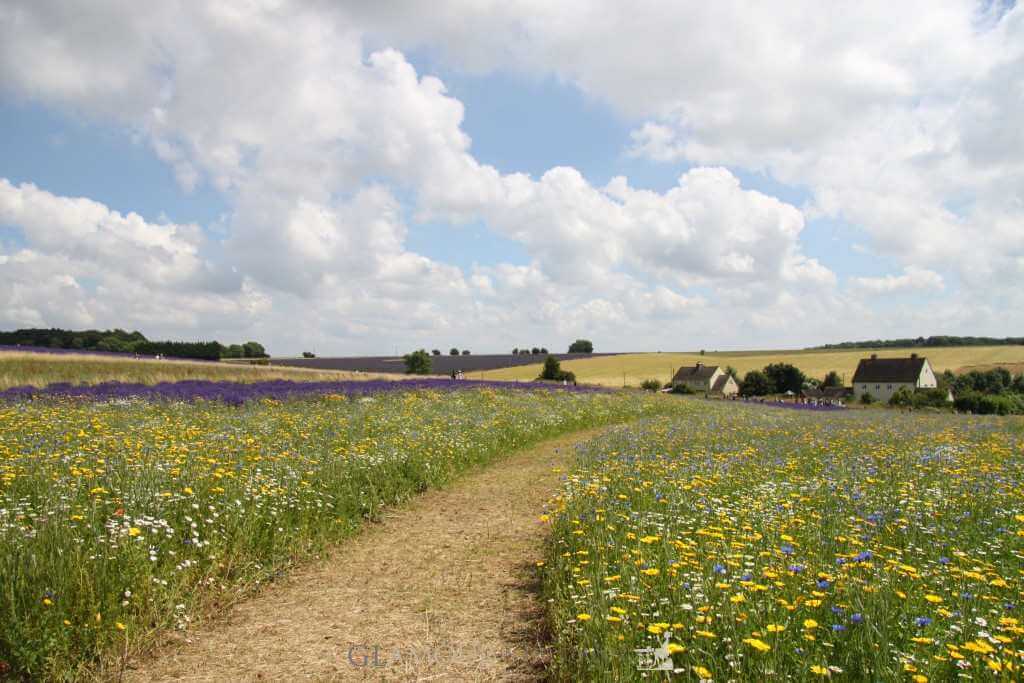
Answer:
(633, 368)
(26, 368)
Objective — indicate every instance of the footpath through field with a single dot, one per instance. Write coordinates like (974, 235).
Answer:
(441, 588)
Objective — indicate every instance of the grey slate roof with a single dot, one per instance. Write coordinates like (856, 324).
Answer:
(694, 373)
(888, 370)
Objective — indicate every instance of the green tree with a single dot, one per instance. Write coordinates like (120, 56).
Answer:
(785, 377)
(308, 354)
(417, 362)
(453, 351)
(650, 385)
(253, 349)
(756, 383)
(581, 346)
(832, 379)
(465, 352)
(552, 368)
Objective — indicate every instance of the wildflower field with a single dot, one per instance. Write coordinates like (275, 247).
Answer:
(123, 516)
(757, 544)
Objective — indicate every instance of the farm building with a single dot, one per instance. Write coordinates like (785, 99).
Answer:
(708, 379)
(882, 377)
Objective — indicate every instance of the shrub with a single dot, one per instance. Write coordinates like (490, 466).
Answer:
(308, 354)
(867, 399)
(553, 371)
(681, 389)
(453, 351)
(650, 385)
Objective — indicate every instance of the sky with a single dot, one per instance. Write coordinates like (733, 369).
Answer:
(355, 178)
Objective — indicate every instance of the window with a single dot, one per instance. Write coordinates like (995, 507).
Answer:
(890, 387)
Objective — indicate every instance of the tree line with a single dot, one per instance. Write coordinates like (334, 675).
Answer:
(939, 340)
(121, 341)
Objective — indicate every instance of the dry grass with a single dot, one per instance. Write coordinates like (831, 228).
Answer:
(25, 368)
(633, 368)
(444, 588)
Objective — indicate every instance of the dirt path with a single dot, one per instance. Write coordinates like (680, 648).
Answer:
(442, 589)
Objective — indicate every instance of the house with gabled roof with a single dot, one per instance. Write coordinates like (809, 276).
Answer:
(706, 379)
(883, 377)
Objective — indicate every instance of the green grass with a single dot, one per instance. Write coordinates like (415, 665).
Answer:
(24, 368)
(633, 368)
(767, 544)
(121, 519)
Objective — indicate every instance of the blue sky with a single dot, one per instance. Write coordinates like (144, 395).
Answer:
(310, 202)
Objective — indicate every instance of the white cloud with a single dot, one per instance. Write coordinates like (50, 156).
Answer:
(311, 137)
(913, 279)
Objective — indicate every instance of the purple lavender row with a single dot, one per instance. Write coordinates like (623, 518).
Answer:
(237, 393)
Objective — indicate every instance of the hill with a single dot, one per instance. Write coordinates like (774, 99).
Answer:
(632, 368)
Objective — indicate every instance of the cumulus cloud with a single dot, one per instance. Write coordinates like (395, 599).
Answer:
(311, 122)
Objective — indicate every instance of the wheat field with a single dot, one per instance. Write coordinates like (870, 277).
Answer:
(633, 368)
(26, 368)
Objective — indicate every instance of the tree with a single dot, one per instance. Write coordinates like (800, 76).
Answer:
(436, 352)
(251, 349)
(553, 371)
(543, 350)
(832, 379)
(515, 351)
(453, 352)
(785, 377)
(756, 383)
(417, 362)
(308, 354)
(732, 372)
(465, 352)
(234, 351)
(581, 346)
(535, 350)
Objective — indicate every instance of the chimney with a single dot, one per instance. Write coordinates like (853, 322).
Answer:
(699, 365)
(874, 356)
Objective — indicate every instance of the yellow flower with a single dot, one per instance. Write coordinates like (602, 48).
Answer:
(820, 670)
(775, 628)
(757, 644)
(651, 572)
(810, 624)
(120, 626)
(919, 678)
(674, 648)
(134, 531)
(704, 634)
(702, 673)
(931, 597)
(47, 601)
(583, 617)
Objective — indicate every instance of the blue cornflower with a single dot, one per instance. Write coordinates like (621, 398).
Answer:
(856, 618)
(922, 621)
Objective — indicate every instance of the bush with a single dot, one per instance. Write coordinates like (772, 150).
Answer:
(417, 362)
(867, 399)
(308, 354)
(681, 389)
(988, 404)
(453, 351)
(581, 346)
(650, 385)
